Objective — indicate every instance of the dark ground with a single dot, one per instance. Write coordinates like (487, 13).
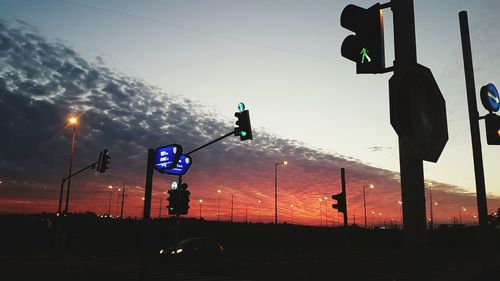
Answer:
(107, 249)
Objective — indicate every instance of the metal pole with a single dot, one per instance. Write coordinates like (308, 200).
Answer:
(117, 203)
(364, 204)
(431, 226)
(123, 201)
(232, 201)
(146, 217)
(109, 205)
(276, 193)
(200, 209)
(159, 209)
(411, 169)
(482, 206)
(218, 209)
(66, 208)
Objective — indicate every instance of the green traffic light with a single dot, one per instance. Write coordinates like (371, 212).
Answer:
(243, 133)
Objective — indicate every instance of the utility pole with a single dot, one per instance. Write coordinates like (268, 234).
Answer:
(123, 201)
(411, 168)
(482, 206)
(232, 201)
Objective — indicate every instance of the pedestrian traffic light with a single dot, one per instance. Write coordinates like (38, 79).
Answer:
(492, 129)
(341, 202)
(103, 161)
(244, 128)
(366, 47)
(173, 201)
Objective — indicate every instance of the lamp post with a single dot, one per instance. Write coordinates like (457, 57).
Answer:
(291, 208)
(218, 207)
(460, 214)
(109, 205)
(364, 199)
(401, 212)
(259, 208)
(200, 201)
(320, 216)
(72, 121)
(431, 203)
(326, 211)
(276, 190)
(118, 203)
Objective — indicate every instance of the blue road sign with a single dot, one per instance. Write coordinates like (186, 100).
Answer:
(167, 157)
(490, 97)
(182, 167)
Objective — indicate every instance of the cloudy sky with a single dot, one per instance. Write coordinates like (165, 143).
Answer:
(145, 74)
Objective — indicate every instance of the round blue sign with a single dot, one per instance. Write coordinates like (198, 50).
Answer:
(490, 97)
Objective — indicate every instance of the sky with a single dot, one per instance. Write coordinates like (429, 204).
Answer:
(145, 74)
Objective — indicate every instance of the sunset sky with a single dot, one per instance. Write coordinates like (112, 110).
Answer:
(142, 74)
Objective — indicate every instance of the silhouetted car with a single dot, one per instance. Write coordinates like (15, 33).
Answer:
(194, 248)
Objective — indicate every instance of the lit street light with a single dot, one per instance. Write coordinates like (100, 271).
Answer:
(200, 201)
(460, 214)
(320, 215)
(218, 208)
(401, 211)
(259, 209)
(109, 205)
(276, 190)
(72, 121)
(291, 208)
(364, 199)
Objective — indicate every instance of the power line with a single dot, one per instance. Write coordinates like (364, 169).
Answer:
(193, 30)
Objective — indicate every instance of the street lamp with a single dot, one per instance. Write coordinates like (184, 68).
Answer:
(118, 203)
(72, 121)
(276, 190)
(110, 193)
(291, 207)
(431, 222)
(320, 216)
(401, 211)
(259, 208)
(200, 201)
(364, 199)
(218, 208)
(460, 214)
(326, 211)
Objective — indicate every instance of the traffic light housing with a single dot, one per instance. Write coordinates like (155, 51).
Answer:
(244, 128)
(173, 201)
(492, 129)
(104, 157)
(341, 202)
(178, 201)
(366, 47)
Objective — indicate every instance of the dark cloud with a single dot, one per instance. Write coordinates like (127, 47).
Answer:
(43, 82)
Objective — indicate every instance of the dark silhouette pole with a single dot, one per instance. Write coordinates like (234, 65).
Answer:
(123, 201)
(482, 205)
(276, 190)
(109, 204)
(364, 200)
(72, 121)
(431, 224)
(411, 168)
(232, 201)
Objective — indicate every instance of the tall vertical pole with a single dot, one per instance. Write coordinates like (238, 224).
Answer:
(482, 206)
(411, 169)
(66, 208)
(109, 204)
(364, 204)
(276, 193)
(431, 225)
(117, 203)
(159, 209)
(232, 202)
(123, 201)
(146, 217)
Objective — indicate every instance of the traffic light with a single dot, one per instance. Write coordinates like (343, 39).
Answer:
(183, 199)
(173, 201)
(243, 129)
(366, 48)
(104, 157)
(341, 204)
(492, 129)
